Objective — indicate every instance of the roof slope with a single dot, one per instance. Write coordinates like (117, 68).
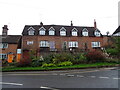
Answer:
(57, 29)
(11, 39)
(117, 30)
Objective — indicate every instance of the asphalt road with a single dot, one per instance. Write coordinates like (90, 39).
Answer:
(81, 78)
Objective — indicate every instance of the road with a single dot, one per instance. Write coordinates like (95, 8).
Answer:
(80, 78)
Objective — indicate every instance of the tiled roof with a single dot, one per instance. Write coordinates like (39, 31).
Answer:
(11, 39)
(57, 29)
(117, 30)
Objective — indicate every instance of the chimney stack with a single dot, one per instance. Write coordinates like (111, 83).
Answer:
(41, 23)
(71, 23)
(5, 30)
(95, 25)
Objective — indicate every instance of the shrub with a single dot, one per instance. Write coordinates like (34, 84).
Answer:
(79, 58)
(49, 58)
(48, 65)
(37, 61)
(66, 63)
(94, 56)
(62, 57)
(112, 51)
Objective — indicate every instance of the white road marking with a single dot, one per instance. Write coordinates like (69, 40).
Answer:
(104, 77)
(11, 83)
(92, 76)
(63, 74)
(54, 74)
(80, 76)
(116, 78)
(70, 75)
(48, 88)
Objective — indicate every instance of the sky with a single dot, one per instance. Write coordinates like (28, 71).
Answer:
(18, 13)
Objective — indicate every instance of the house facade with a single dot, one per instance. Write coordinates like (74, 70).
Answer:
(56, 38)
(10, 46)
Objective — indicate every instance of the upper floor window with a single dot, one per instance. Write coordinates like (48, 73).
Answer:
(31, 31)
(42, 31)
(3, 45)
(74, 32)
(51, 31)
(95, 44)
(44, 44)
(63, 31)
(73, 44)
(29, 42)
(97, 33)
(85, 32)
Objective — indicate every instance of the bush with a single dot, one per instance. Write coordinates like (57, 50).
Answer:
(37, 61)
(49, 58)
(62, 57)
(48, 65)
(66, 63)
(95, 56)
(112, 51)
(79, 58)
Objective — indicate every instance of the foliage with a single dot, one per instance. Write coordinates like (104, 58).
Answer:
(95, 56)
(48, 65)
(79, 58)
(62, 57)
(66, 63)
(37, 61)
(112, 51)
(48, 58)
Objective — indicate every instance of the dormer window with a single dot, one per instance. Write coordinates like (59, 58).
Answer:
(31, 31)
(42, 31)
(51, 31)
(97, 33)
(74, 32)
(85, 32)
(63, 31)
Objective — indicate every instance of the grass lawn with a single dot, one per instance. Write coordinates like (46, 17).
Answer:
(13, 68)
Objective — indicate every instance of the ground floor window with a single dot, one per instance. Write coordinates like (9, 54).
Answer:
(44, 44)
(95, 44)
(73, 44)
(3, 56)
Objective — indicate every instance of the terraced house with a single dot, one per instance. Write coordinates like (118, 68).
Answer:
(56, 38)
(10, 46)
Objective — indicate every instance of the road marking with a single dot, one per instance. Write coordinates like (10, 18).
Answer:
(63, 74)
(80, 76)
(92, 76)
(54, 74)
(116, 78)
(70, 75)
(104, 77)
(11, 83)
(48, 88)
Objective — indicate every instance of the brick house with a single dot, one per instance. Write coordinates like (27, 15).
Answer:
(10, 45)
(55, 38)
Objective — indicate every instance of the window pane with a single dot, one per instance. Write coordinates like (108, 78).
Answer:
(51, 32)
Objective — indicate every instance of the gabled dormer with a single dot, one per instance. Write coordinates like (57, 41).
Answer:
(31, 31)
(42, 31)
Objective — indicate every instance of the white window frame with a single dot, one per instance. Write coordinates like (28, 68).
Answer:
(29, 42)
(62, 31)
(97, 33)
(51, 31)
(96, 44)
(42, 31)
(3, 45)
(73, 44)
(44, 44)
(31, 31)
(74, 32)
(85, 32)
(3, 55)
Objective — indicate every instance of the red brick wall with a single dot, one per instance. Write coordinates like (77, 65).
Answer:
(59, 40)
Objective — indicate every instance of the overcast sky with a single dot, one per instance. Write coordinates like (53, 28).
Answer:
(18, 13)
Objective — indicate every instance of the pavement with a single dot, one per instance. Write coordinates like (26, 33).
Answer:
(55, 80)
